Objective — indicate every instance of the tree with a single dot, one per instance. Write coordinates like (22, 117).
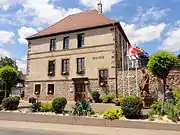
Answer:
(160, 64)
(9, 75)
(8, 62)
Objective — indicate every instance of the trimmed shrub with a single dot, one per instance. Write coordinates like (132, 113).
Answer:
(96, 96)
(108, 98)
(36, 107)
(112, 114)
(58, 104)
(10, 103)
(46, 107)
(155, 109)
(82, 108)
(131, 106)
(18, 97)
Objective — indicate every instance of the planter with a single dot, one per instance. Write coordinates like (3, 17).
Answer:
(147, 102)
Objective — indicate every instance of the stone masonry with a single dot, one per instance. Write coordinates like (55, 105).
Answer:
(66, 88)
(155, 84)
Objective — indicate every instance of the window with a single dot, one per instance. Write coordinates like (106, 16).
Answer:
(65, 67)
(37, 89)
(80, 65)
(66, 43)
(52, 44)
(50, 89)
(51, 68)
(80, 40)
(103, 76)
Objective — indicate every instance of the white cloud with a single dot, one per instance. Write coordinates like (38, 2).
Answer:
(4, 53)
(172, 41)
(5, 4)
(25, 32)
(152, 14)
(6, 37)
(144, 34)
(35, 12)
(107, 4)
(24, 58)
(44, 12)
(22, 64)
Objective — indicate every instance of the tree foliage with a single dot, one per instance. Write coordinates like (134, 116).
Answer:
(5, 61)
(8, 74)
(161, 63)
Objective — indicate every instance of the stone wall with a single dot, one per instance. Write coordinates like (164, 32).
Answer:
(155, 84)
(66, 89)
(61, 88)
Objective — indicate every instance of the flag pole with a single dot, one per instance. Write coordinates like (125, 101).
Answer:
(128, 70)
(137, 77)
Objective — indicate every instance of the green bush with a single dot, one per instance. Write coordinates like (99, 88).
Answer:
(36, 107)
(10, 103)
(58, 104)
(176, 95)
(82, 108)
(46, 107)
(18, 97)
(96, 96)
(120, 112)
(113, 114)
(155, 109)
(108, 98)
(131, 106)
(171, 111)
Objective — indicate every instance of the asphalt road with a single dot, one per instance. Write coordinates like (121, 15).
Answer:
(9, 131)
(29, 128)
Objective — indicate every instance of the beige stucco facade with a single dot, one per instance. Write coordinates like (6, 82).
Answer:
(98, 51)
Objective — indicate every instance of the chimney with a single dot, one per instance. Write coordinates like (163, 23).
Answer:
(100, 7)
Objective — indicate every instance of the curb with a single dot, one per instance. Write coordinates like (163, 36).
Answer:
(12, 116)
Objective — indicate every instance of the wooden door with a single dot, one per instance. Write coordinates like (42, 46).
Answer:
(80, 92)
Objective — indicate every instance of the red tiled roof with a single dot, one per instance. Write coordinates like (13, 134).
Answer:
(76, 21)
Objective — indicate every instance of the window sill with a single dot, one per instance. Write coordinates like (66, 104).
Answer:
(81, 73)
(50, 94)
(65, 74)
(51, 74)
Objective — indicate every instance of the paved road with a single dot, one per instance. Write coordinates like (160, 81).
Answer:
(37, 132)
(29, 128)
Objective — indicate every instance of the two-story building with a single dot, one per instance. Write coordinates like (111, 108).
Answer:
(75, 56)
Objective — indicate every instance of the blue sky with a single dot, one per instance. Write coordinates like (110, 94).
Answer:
(152, 25)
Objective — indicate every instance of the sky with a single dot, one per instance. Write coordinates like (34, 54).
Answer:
(152, 25)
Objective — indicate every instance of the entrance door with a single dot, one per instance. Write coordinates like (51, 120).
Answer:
(80, 92)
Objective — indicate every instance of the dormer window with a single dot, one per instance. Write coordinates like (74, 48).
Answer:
(52, 44)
